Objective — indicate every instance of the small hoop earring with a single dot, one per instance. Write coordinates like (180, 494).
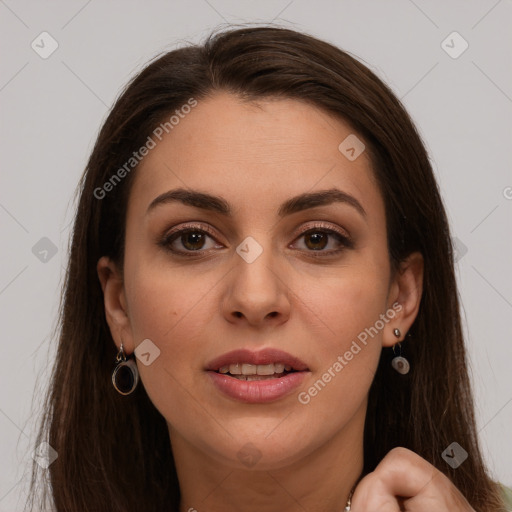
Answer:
(399, 363)
(125, 376)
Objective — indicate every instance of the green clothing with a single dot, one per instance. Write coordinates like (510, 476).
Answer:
(507, 498)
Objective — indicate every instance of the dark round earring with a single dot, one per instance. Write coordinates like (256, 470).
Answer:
(125, 376)
(399, 363)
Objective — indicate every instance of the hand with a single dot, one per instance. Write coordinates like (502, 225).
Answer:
(404, 481)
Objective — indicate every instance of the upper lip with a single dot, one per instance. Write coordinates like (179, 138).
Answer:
(264, 356)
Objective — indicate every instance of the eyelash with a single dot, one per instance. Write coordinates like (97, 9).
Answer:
(169, 238)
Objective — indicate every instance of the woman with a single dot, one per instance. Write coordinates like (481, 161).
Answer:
(260, 239)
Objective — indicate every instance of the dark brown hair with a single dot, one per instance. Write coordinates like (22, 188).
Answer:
(114, 452)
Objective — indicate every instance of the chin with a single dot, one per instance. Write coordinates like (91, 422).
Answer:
(257, 453)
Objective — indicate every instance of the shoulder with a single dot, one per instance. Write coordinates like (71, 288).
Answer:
(507, 497)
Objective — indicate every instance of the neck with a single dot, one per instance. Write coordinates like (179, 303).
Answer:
(321, 480)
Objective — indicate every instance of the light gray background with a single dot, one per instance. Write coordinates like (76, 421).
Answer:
(51, 110)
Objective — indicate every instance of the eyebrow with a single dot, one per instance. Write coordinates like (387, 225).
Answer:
(220, 205)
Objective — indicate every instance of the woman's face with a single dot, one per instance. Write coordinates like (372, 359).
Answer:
(251, 279)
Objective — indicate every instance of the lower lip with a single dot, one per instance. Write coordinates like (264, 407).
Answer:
(257, 391)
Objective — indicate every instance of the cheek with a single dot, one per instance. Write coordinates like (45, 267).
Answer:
(170, 311)
(165, 304)
(343, 305)
(348, 308)
(346, 355)
(178, 309)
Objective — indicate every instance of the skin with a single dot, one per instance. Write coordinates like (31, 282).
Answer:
(256, 156)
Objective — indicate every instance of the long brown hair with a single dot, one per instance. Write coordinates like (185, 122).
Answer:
(114, 451)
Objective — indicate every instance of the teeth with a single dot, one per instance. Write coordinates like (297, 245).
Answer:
(249, 369)
(257, 377)
(265, 369)
(235, 369)
(253, 369)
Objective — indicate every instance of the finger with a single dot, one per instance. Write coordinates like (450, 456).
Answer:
(372, 495)
(406, 474)
(401, 474)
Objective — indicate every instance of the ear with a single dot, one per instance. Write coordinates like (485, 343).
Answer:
(116, 311)
(405, 293)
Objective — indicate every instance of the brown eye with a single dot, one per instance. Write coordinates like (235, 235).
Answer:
(192, 240)
(188, 241)
(316, 240)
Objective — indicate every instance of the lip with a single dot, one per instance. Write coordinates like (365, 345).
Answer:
(257, 391)
(264, 356)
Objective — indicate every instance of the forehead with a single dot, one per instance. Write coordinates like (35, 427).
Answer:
(254, 152)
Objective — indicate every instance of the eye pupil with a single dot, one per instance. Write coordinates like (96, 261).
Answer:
(317, 238)
(195, 237)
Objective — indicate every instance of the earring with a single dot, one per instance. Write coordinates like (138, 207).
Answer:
(125, 376)
(399, 363)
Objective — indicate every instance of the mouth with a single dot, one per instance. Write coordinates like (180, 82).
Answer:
(251, 372)
(265, 363)
(257, 377)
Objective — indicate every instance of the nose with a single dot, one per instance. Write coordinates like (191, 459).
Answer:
(257, 293)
